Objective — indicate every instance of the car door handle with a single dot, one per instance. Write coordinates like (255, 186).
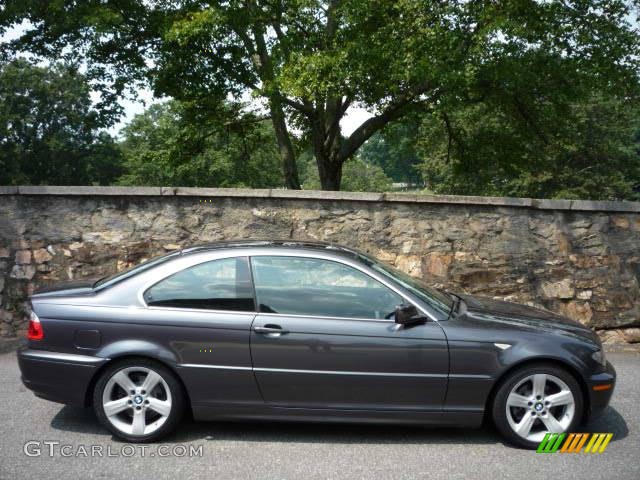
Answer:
(273, 330)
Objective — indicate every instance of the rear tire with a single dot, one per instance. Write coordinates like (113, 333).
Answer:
(138, 400)
(535, 400)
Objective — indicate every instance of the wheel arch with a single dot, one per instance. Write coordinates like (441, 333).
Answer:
(571, 369)
(88, 400)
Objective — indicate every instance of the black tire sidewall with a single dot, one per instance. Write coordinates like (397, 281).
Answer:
(500, 400)
(177, 399)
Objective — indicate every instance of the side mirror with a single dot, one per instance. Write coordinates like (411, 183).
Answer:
(408, 314)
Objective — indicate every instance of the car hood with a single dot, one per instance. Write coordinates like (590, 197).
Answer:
(525, 316)
(69, 287)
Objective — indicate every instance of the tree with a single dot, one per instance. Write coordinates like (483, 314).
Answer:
(309, 61)
(590, 151)
(358, 176)
(166, 145)
(49, 131)
(394, 150)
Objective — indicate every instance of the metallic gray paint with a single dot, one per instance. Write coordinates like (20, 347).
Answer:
(438, 372)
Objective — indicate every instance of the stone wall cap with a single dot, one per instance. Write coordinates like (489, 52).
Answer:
(605, 206)
(551, 204)
(87, 190)
(219, 192)
(534, 203)
(459, 199)
(327, 195)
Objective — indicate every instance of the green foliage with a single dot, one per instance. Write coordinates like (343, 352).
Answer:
(174, 144)
(310, 60)
(394, 150)
(590, 151)
(49, 132)
(357, 176)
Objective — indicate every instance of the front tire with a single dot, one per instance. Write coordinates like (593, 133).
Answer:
(138, 400)
(535, 400)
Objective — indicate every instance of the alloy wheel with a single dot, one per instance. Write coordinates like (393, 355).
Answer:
(540, 404)
(136, 400)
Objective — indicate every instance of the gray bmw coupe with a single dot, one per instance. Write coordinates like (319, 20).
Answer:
(305, 331)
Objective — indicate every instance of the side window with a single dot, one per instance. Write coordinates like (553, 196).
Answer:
(223, 284)
(311, 286)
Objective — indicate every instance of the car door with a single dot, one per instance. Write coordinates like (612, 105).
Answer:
(325, 337)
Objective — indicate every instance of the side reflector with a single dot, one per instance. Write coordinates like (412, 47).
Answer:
(600, 388)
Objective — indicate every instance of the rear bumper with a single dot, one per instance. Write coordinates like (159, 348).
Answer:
(59, 377)
(598, 398)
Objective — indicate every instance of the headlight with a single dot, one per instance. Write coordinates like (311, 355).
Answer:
(599, 357)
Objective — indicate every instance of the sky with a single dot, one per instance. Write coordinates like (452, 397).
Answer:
(353, 118)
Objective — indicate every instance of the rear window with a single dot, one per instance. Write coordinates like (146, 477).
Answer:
(223, 284)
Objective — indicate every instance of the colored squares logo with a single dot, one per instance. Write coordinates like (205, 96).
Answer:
(574, 443)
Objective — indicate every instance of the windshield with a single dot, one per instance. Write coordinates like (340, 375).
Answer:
(134, 270)
(437, 300)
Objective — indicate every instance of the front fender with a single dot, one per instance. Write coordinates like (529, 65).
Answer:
(565, 353)
(477, 366)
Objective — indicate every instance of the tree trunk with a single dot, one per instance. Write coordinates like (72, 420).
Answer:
(330, 173)
(288, 156)
(325, 150)
(331, 149)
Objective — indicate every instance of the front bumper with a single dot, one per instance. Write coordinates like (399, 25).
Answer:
(59, 377)
(598, 396)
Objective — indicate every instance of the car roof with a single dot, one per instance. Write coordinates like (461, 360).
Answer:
(308, 245)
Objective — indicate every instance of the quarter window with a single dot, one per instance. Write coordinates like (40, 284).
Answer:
(317, 287)
(223, 284)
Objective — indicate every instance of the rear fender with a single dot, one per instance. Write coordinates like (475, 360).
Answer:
(134, 347)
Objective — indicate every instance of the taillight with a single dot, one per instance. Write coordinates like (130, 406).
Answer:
(35, 331)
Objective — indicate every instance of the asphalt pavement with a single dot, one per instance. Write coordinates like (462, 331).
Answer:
(82, 449)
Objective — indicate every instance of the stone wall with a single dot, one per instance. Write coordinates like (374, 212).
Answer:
(578, 258)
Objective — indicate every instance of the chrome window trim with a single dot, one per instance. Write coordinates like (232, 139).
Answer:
(322, 317)
(210, 256)
(205, 310)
